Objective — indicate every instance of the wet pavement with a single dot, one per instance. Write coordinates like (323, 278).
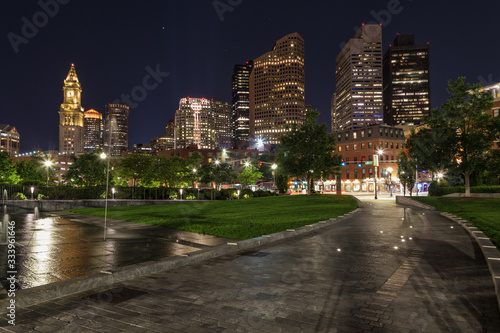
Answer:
(388, 268)
(61, 246)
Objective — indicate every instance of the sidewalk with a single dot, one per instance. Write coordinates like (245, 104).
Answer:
(388, 268)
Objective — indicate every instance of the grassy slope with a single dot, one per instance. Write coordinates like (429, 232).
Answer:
(484, 214)
(239, 219)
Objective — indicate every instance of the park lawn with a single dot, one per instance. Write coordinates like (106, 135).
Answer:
(237, 219)
(483, 213)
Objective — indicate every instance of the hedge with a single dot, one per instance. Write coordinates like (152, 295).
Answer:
(438, 191)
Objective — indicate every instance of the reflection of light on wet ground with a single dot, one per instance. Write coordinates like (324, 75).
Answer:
(53, 248)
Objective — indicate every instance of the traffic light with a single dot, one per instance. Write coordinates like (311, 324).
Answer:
(260, 164)
(342, 163)
(360, 164)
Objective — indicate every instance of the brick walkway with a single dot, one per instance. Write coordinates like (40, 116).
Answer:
(387, 269)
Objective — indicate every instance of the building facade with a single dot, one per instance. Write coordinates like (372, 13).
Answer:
(277, 90)
(357, 148)
(494, 89)
(241, 102)
(71, 116)
(10, 141)
(116, 129)
(407, 84)
(358, 77)
(92, 130)
(204, 123)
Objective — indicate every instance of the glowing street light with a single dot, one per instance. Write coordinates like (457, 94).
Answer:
(274, 166)
(48, 164)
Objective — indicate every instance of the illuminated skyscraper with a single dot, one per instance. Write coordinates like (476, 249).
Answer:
(117, 129)
(202, 122)
(407, 84)
(71, 116)
(92, 130)
(358, 74)
(241, 101)
(277, 90)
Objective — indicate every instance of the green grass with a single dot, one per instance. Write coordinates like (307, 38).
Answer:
(484, 214)
(238, 219)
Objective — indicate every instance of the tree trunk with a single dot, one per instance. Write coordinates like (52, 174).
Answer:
(467, 184)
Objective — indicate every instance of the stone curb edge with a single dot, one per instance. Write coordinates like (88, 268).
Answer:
(36, 295)
(489, 250)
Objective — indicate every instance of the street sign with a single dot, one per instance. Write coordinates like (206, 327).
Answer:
(369, 163)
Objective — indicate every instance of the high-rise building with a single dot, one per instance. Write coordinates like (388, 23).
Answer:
(241, 101)
(358, 75)
(71, 116)
(277, 90)
(92, 130)
(9, 139)
(332, 112)
(117, 129)
(407, 84)
(202, 122)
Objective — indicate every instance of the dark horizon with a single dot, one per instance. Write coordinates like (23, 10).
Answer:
(114, 46)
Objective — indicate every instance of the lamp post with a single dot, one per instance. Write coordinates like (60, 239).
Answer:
(103, 156)
(274, 175)
(32, 190)
(48, 164)
(389, 170)
(113, 191)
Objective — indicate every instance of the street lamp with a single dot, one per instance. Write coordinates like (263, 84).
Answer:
(274, 174)
(113, 191)
(48, 164)
(103, 156)
(32, 190)
(389, 169)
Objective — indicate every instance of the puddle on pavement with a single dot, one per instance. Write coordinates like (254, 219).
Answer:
(51, 249)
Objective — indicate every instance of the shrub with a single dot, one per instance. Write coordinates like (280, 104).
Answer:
(19, 196)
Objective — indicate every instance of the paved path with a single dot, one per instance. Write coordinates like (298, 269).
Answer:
(388, 269)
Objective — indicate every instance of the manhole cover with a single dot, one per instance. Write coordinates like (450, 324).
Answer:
(115, 295)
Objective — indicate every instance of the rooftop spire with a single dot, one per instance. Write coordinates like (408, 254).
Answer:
(72, 77)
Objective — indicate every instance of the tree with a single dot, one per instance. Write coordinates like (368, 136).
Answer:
(308, 151)
(249, 176)
(137, 167)
(216, 173)
(406, 171)
(468, 132)
(87, 170)
(8, 173)
(30, 172)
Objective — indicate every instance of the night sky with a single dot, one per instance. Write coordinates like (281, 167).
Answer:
(112, 43)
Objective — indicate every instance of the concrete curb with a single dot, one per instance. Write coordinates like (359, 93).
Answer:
(490, 251)
(32, 296)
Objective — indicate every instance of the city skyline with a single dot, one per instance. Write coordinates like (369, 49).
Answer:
(160, 62)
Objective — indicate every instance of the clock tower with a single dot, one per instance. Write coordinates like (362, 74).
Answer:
(71, 116)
